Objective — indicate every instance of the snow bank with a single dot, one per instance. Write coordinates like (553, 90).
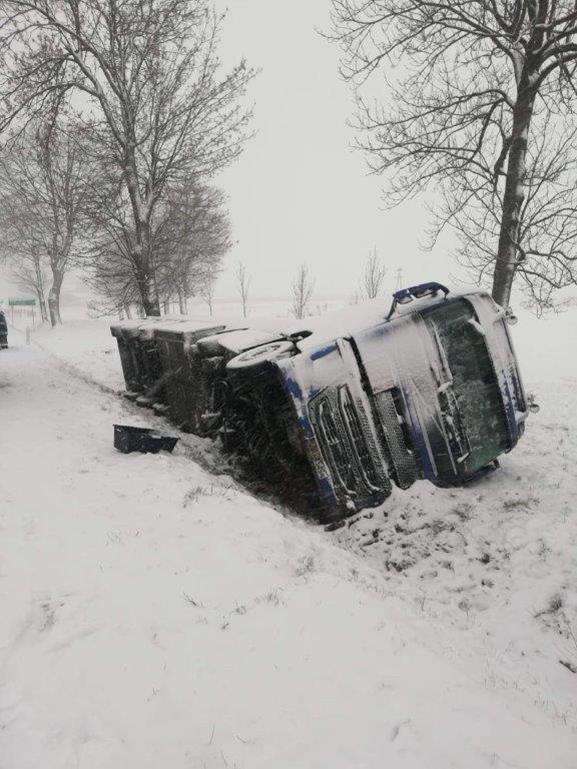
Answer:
(87, 345)
(497, 558)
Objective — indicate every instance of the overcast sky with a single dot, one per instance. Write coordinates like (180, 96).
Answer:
(298, 193)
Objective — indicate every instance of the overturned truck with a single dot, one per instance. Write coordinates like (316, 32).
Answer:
(333, 413)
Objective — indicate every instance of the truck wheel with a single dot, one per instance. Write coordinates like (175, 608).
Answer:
(260, 357)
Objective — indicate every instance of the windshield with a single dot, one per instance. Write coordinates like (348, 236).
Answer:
(476, 391)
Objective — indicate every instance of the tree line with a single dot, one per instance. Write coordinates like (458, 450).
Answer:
(370, 286)
(116, 116)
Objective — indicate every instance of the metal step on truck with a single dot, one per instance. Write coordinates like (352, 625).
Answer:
(335, 412)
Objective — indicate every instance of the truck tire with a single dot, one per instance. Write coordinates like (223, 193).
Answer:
(259, 358)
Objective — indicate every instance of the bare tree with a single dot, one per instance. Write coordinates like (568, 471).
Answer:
(109, 268)
(155, 100)
(373, 276)
(191, 238)
(547, 236)
(206, 291)
(108, 303)
(190, 234)
(302, 291)
(28, 269)
(43, 187)
(474, 78)
(243, 281)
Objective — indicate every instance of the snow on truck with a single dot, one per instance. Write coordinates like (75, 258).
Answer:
(335, 413)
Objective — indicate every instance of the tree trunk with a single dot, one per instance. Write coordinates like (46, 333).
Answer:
(182, 304)
(506, 262)
(150, 304)
(42, 306)
(39, 288)
(52, 310)
(54, 299)
(148, 297)
(141, 252)
(166, 306)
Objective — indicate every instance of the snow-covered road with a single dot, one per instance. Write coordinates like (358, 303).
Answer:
(152, 615)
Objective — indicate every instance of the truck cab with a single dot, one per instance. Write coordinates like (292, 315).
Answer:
(432, 390)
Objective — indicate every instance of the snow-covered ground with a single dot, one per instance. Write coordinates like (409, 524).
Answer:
(87, 345)
(153, 615)
(497, 559)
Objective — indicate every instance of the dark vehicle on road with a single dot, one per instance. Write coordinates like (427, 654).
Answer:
(3, 331)
(334, 414)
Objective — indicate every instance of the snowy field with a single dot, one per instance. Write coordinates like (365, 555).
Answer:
(156, 615)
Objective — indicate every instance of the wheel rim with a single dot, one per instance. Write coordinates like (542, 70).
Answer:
(258, 352)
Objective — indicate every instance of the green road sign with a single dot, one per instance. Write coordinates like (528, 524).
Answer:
(22, 302)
